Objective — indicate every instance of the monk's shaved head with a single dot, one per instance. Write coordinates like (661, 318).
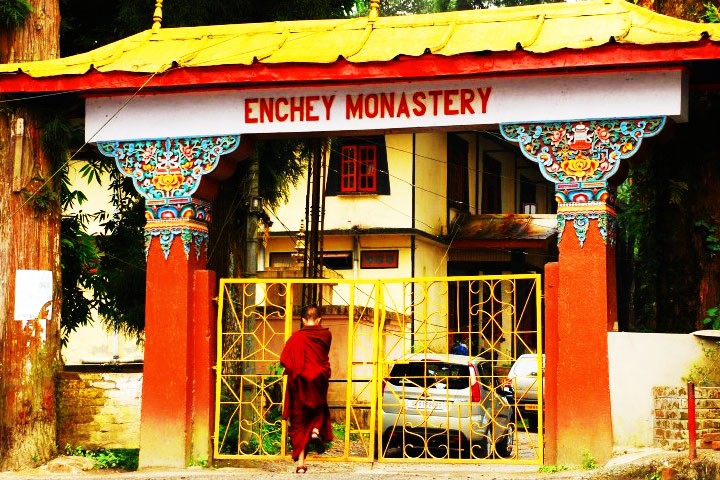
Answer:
(311, 312)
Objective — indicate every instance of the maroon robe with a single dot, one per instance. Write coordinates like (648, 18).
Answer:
(307, 365)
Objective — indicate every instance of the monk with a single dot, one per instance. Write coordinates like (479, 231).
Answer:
(307, 365)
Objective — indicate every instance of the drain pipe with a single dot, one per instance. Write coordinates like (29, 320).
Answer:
(692, 422)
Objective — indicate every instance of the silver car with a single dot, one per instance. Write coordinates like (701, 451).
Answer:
(522, 378)
(444, 406)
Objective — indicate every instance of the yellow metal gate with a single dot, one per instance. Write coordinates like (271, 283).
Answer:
(420, 367)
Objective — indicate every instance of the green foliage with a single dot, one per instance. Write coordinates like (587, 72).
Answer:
(668, 245)
(13, 13)
(338, 430)
(588, 462)
(712, 241)
(270, 435)
(639, 245)
(706, 371)
(115, 458)
(79, 260)
(100, 264)
(552, 468)
(713, 318)
(41, 195)
(119, 284)
(202, 462)
(711, 14)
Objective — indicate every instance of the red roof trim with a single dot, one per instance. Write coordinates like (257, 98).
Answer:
(402, 68)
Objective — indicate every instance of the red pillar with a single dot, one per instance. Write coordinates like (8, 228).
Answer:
(177, 392)
(586, 306)
(204, 348)
(552, 279)
(167, 373)
(579, 157)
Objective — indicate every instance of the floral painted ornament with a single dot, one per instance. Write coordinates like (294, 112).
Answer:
(579, 157)
(581, 151)
(167, 172)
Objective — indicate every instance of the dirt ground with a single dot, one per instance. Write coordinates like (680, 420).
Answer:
(705, 467)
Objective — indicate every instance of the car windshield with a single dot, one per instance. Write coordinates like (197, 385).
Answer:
(431, 374)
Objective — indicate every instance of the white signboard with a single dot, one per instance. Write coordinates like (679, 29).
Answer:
(389, 106)
(33, 299)
(33, 294)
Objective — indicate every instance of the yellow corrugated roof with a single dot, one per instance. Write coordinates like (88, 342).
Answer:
(536, 28)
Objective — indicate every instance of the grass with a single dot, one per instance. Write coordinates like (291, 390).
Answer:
(588, 462)
(552, 468)
(115, 458)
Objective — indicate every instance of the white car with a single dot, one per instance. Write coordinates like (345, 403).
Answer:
(522, 378)
(444, 406)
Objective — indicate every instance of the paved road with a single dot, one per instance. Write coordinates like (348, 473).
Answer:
(618, 468)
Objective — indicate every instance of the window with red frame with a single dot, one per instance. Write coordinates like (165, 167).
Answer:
(358, 169)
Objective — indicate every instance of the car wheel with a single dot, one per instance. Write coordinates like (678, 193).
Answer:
(504, 446)
(478, 450)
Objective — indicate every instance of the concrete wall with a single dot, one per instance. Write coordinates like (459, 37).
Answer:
(639, 362)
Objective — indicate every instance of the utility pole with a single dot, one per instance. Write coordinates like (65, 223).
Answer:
(314, 208)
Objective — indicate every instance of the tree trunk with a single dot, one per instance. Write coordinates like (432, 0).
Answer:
(29, 240)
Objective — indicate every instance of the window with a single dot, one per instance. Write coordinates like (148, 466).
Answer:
(528, 195)
(457, 173)
(337, 260)
(281, 259)
(358, 168)
(492, 186)
(358, 165)
(379, 259)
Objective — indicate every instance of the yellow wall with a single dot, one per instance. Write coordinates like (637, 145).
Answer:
(431, 181)
(428, 150)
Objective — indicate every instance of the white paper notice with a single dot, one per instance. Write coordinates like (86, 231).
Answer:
(33, 294)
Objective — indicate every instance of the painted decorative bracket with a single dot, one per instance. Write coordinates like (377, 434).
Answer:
(579, 157)
(167, 173)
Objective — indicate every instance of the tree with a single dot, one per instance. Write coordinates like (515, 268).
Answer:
(669, 250)
(29, 240)
(405, 7)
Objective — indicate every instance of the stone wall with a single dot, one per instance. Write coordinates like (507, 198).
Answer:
(99, 410)
(671, 415)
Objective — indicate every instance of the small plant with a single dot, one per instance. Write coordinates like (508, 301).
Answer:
(338, 430)
(712, 241)
(120, 458)
(706, 371)
(713, 317)
(588, 462)
(202, 462)
(711, 13)
(552, 468)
